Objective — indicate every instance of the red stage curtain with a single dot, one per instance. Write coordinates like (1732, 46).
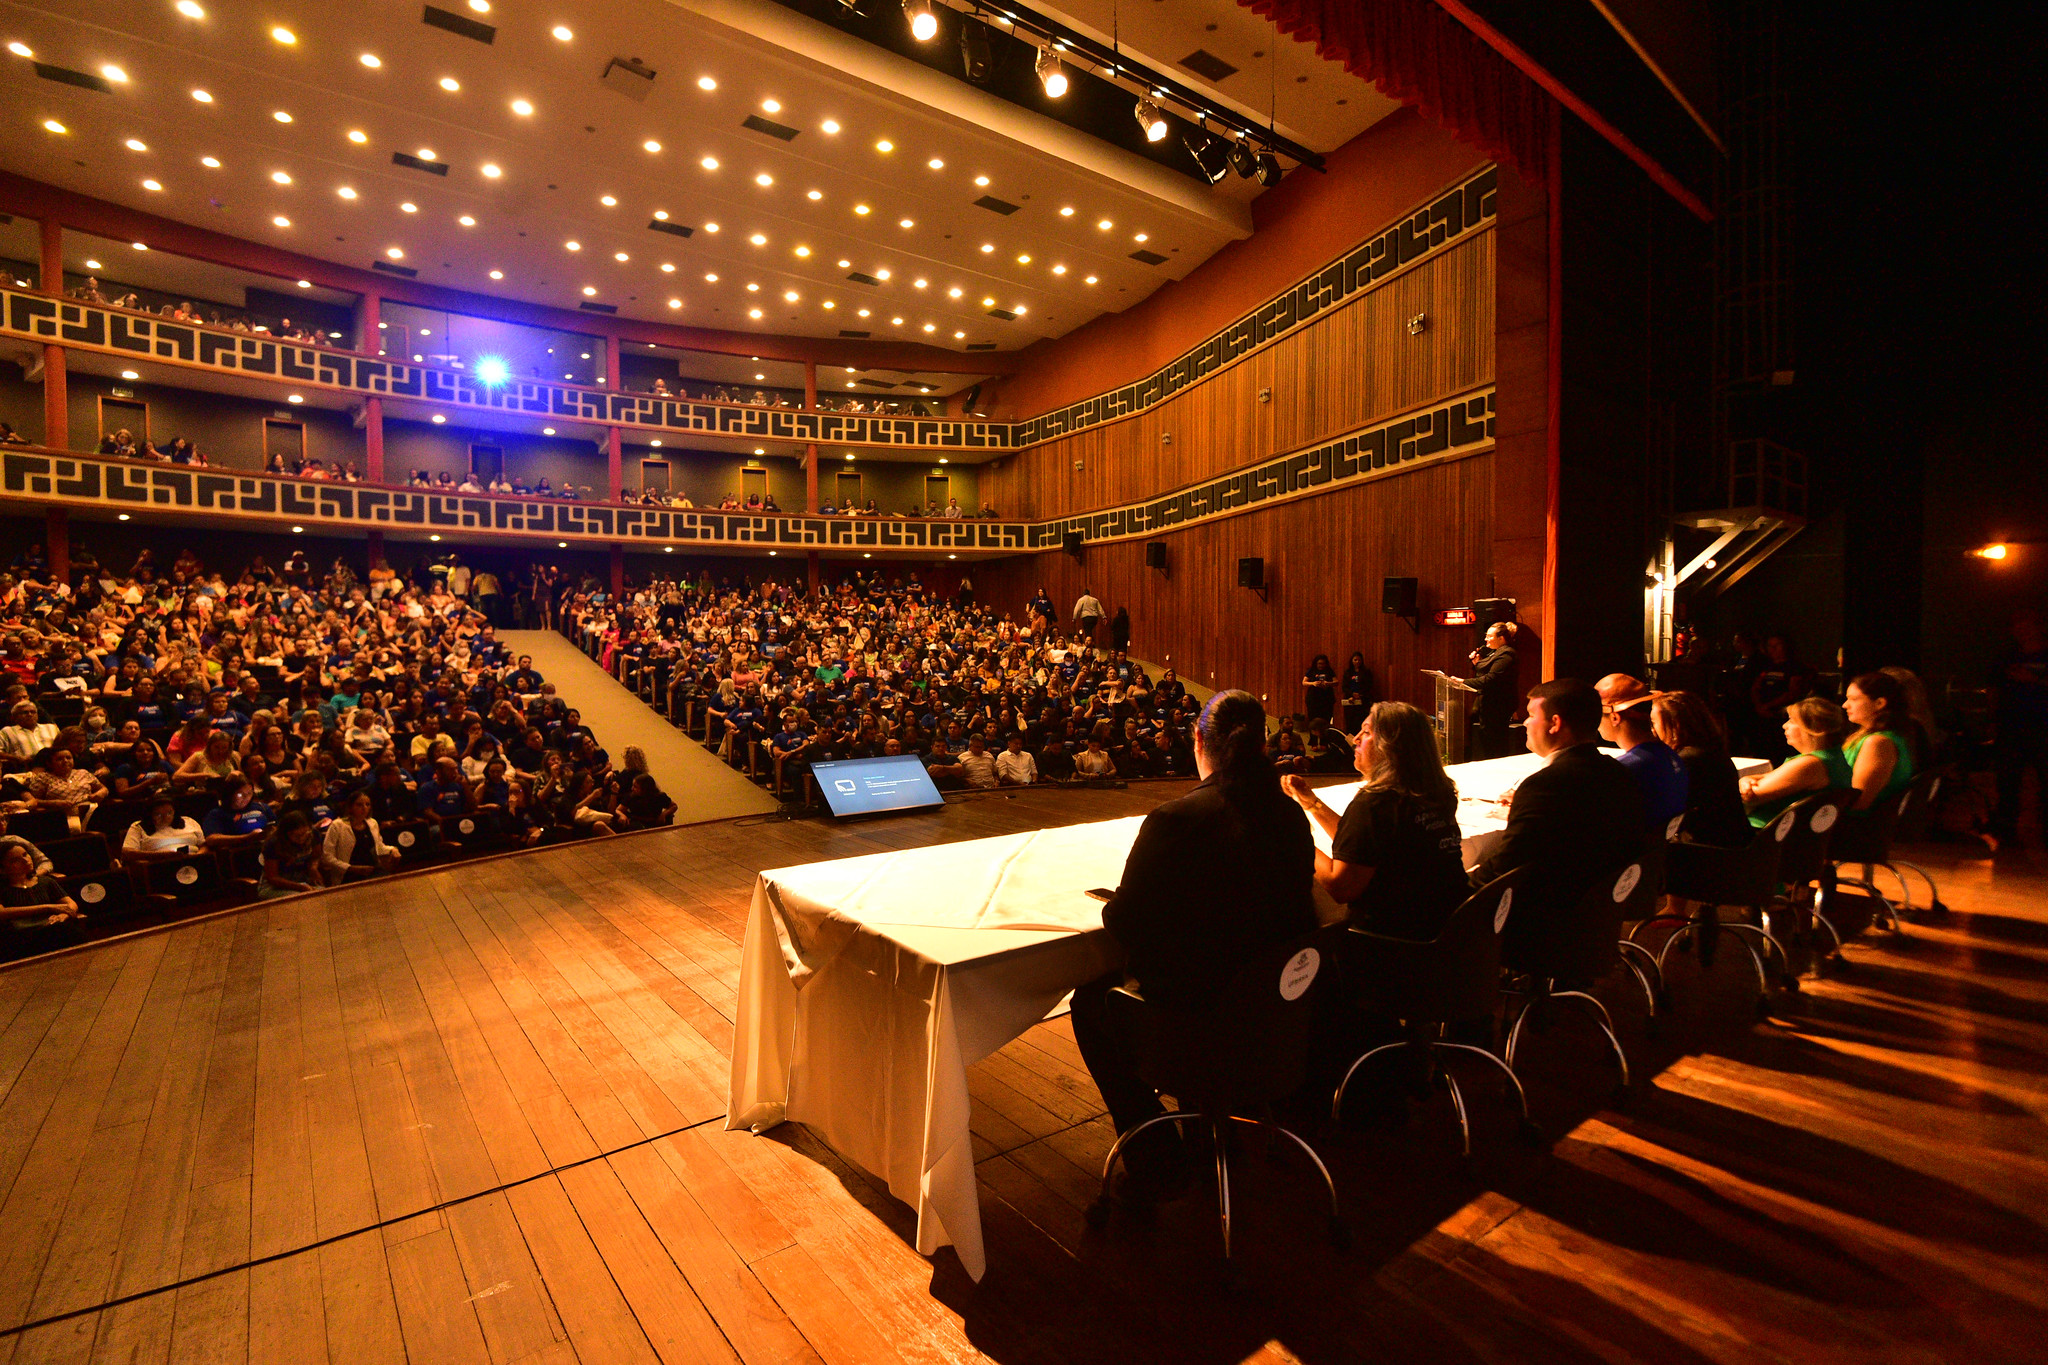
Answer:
(1416, 53)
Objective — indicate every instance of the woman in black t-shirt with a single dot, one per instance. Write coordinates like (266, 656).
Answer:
(1396, 857)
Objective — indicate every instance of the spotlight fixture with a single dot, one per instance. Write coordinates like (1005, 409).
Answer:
(924, 25)
(1050, 73)
(1150, 119)
(974, 53)
(1211, 154)
(1243, 159)
(1269, 169)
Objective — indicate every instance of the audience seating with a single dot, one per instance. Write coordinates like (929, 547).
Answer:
(1805, 870)
(1746, 878)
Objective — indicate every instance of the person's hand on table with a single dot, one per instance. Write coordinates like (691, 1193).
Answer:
(1296, 786)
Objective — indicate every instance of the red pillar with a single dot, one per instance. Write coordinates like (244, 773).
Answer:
(368, 314)
(376, 549)
(811, 457)
(373, 439)
(56, 391)
(618, 571)
(811, 563)
(613, 444)
(57, 543)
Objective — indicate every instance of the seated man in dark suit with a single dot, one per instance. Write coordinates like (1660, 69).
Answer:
(1212, 879)
(1574, 820)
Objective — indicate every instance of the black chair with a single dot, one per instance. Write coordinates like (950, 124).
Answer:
(1712, 877)
(1451, 979)
(1912, 828)
(106, 896)
(185, 880)
(86, 853)
(1804, 868)
(1229, 1064)
(1585, 946)
(65, 708)
(40, 827)
(1867, 837)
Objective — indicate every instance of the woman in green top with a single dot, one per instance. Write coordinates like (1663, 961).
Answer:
(1813, 727)
(1884, 750)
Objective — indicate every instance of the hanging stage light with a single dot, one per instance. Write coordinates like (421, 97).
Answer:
(974, 53)
(1269, 169)
(1243, 159)
(1210, 153)
(924, 25)
(1050, 73)
(1151, 120)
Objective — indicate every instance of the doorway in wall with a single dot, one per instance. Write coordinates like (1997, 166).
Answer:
(654, 474)
(846, 488)
(753, 484)
(284, 439)
(486, 462)
(937, 489)
(124, 414)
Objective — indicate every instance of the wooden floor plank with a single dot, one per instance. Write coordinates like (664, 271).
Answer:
(600, 1322)
(356, 1299)
(435, 1310)
(287, 1311)
(511, 1300)
(674, 1318)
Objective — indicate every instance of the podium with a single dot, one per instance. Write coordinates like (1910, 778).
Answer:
(1449, 719)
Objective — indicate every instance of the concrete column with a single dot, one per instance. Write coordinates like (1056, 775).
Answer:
(56, 391)
(57, 543)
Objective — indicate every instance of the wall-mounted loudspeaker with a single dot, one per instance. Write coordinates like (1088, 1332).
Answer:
(1071, 543)
(1397, 596)
(1488, 610)
(1155, 554)
(1251, 573)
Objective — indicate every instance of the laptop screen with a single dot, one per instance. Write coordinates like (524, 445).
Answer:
(868, 786)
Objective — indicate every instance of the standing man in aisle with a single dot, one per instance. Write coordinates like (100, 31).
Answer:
(1087, 615)
(1495, 677)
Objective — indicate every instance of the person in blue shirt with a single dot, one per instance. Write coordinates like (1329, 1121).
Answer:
(1626, 720)
(239, 818)
(443, 793)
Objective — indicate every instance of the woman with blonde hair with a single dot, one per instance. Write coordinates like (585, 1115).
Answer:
(1396, 856)
(1814, 727)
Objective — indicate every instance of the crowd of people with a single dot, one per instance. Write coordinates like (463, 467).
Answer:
(296, 730)
(233, 320)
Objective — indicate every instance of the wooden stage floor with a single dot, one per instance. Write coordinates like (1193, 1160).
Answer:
(475, 1115)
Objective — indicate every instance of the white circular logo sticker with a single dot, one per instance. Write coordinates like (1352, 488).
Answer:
(467, 826)
(1626, 882)
(1785, 826)
(1298, 973)
(1824, 819)
(405, 838)
(187, 876)
(1500, 912)
(1671, 830)
(92, 893)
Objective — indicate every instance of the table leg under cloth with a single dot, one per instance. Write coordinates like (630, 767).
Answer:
(872, 1050)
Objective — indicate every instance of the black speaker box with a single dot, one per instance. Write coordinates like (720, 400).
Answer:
(1397, 596)
(1155, 554)
(1071, 543)
(1488, 610)
(1251, 573)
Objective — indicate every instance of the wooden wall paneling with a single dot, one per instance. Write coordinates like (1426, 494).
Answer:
(1325, 557)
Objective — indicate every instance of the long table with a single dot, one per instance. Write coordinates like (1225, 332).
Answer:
(869, 985)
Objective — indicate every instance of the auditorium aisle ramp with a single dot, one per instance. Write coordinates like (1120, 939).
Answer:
(474, 1115)
(702, 787)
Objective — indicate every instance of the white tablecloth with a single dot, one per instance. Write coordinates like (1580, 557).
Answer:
(869, 985)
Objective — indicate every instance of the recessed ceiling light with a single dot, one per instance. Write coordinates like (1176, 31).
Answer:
(281, 177)
(522, 107)
(140, 246)
(589, 289)
(408, 208)
(958, 335)
(371, 60)
(1020, 310)
(1023, 260)
(211, 163)
(758, 240)
(988, 303)
(864, 312)
(92, 265)
(439, 419)
(394, 253)
(881, 274)
(651, 145)
(346, 192)
(981, 180)
(655, 442)
(931, 327)
(895, 322)
(987, 247)
(358, 135)
(661, 215)
(788, 296)
(281, 221)
(861, 209)
(490, 170)
(609, 202)
(675, 303)
(846, 265)
(204, 97)
(815, 195)
(711, 279)
(190, 9)
(480, 6)
(1089, 280)
(620, 256)
(709, 163)
(130, 374)
(830, 125)
(668, 268)
(284, 35)
(281, 116)
(1067, 212)
(829, 304)
(497, 274)
(466, 221)
(753, 288)
(547, 431)
(764, 179)
(293, 398)
(706, 83)
(885, 146)
(917, 284)
(113, 73)
(136, 144)
(1105, 225)
(905, 223)
(954, 292)
(1059, 270)
(803, 251)
(450, 84)
(772, 106)
(21, 49)
(572, 246)
(1142, 237)
(754, 313)
(562, 32)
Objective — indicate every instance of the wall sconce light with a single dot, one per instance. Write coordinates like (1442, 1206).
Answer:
(1417, 324)
(1994, 552)
(1265, 395)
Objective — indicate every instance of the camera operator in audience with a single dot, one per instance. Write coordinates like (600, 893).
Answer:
(1212, 879)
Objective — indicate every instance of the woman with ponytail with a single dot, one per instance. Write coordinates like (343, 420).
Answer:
(1212, 878)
